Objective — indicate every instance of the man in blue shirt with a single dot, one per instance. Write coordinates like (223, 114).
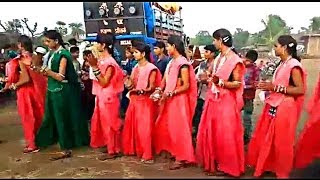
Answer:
(162, 61)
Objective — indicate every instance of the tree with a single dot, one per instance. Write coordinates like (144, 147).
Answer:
(76, 29)
(203, 38)
(315, 25)
(61, 28)
(13, 26)
(275, 26)
(33, 30)
(240, 38)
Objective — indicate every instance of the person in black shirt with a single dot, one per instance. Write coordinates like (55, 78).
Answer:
(163, 60)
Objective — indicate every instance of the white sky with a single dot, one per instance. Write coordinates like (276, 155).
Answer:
(197, 15)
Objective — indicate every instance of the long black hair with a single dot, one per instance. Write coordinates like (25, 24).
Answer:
(54, 35)
(160, 44)
(108, 40)
(291, 43)
(143, 48)
(178, 43)
(26, 43)
(226, 38)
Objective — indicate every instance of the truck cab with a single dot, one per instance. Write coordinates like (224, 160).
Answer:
(128, 21)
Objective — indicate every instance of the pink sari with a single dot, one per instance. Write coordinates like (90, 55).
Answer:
(30, 98)
(105, 122)
(140, 116)
(272, 145)
(308, 148)
(173, 127)
(220, 136)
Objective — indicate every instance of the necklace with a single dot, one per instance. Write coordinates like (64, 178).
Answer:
(219, 61)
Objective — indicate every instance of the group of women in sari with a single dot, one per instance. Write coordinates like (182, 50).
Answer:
(161, 108)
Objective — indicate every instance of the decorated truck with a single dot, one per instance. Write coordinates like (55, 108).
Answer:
(141, 21)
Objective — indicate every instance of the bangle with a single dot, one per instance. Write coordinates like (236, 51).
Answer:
(13, 86)
(97, 73)
(158, 88)
(61, 75)
(140, 92)
(95, 70)
(220, 83)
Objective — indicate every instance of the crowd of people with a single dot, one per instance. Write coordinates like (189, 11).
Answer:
(193, 114)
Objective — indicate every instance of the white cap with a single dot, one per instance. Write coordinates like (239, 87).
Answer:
(41, 50)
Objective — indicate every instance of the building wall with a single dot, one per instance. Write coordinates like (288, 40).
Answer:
(313, 46)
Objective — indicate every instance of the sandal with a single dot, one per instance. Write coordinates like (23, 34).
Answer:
(150, 161)
(66, 154)
(108, 157)
(176, 165)
(27, 150)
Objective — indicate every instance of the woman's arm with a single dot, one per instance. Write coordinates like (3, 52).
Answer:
(294, 90)
(298, 88)
(152, 80)
(62, 71)
(24, 76)
(236, 74)
(185, 76)
(104, 80)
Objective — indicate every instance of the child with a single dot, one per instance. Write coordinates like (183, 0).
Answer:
(251, 76)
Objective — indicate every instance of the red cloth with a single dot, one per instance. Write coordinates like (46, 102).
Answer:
(30, 99)
(220, 135)
(105, 122)
(272, 142)
(173, 128)
(308, 148)
(140, 116)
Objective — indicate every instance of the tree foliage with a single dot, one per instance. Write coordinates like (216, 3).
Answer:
(240, 38)
(202, 38)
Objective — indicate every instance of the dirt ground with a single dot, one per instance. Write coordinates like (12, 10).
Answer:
(83, 164)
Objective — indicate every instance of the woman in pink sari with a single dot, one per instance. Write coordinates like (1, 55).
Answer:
(178, 96)
(141, 113)
(308, 146)
(220, 138)
(31, 92)
(105, 122)
(272, 143)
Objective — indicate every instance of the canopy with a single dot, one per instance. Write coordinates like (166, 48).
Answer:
(170, 7)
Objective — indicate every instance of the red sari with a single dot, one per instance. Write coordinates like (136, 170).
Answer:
(173, 127)
(272, 145)
(220, 136)
(308, 146)
(30, 98)
(105, 122)
(140, 115)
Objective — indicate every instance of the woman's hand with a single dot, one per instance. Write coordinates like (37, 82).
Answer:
(93, 61)
(156, 95)
(265, 86)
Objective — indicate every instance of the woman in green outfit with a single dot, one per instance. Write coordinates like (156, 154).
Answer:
(63, 120)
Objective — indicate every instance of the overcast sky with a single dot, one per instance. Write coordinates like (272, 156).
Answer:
(197, 15)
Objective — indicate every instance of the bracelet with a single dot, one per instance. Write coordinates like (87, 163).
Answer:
(97, 73)
(61, 75)
(13, 86)
(140, 92)
(95, 70)
(158, 88)
(280, 89)
(220, 83)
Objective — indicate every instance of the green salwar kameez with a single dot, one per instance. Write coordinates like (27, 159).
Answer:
(63, 121)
